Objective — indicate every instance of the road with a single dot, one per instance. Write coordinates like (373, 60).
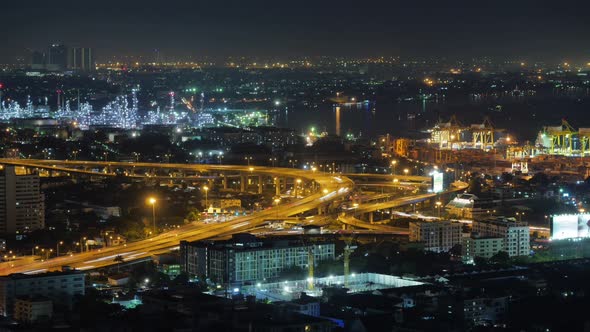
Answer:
(363, 208)
(331, 187)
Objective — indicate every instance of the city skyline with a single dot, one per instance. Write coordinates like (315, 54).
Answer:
(181, 29)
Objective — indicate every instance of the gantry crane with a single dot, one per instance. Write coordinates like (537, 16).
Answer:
(483, 135)
(446, 133)
(561, 138)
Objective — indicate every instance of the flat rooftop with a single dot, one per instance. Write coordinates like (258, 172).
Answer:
(291, 289)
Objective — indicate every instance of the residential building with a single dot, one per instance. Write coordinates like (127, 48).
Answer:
(59, 287)
(515, 234)
(476, 246)
(245, 258)
(439, 236)
(32, 309)
(22, 207)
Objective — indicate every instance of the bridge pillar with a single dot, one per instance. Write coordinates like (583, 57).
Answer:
(321, 209)
(224, 181)
(277, 186)
(243, 180)
(260, 184)
(370, 217)
(283, 183)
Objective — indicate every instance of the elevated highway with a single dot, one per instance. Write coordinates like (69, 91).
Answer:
(403, 201)
(329, 189)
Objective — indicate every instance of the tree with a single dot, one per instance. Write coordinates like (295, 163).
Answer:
(456, 250)
(506, 177)
(500, 258)
(480, 261)
(540, 179)
(193, 215)
(119, 259)
(474, 186)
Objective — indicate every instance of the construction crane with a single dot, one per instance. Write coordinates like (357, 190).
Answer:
(310, 266)
(348, 249)
(309, 244)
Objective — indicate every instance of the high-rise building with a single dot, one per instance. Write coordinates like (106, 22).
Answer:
(38, 60)
(58, 57)
(81, 59)
(439, 236)
(22, 205)
(245, 258)
(515, 234)
(59, 287)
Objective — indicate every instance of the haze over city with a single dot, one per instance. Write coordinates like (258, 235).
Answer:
(462, 29)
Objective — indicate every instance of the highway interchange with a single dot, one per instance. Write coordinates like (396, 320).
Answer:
(330, 188)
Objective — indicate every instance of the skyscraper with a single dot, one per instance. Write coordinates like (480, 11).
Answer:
(22, 205)
(38, 60)
(81, 59)
(58, 57)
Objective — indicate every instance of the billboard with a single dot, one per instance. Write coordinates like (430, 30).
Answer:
(437, 182)
(569, 226)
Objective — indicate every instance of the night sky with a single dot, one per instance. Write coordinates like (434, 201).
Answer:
(552, 30)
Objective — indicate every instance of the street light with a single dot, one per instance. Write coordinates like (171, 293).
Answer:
(57, 247)
(406, 171)
(393, 164)
(297, 184)
(152, 201)
(438, 205)
(248, 160)
(206, 198)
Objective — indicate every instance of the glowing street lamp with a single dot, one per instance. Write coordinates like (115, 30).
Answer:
(438, 205)
(152, 201)
(406, 171)
(297, 184)
(206, 198)
(393, 164)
